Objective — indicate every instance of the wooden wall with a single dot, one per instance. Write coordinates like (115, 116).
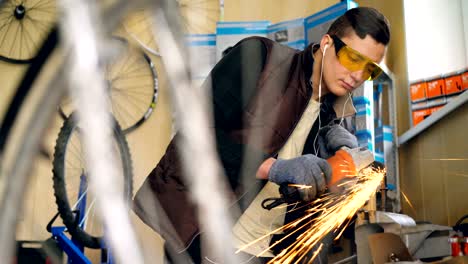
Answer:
(272, 10)
(434, 171)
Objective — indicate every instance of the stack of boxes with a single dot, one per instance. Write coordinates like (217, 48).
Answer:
(296, 33)
(364, 120)
(428, 96)
(418, 101)
(202, 49)
(384, 151)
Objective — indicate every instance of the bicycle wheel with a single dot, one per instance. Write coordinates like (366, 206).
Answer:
(138, 25)
(197, 17)
(75, 204)
(23, 26)
(133, 88)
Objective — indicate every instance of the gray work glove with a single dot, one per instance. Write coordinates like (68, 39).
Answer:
(308, 170)
(333, 138)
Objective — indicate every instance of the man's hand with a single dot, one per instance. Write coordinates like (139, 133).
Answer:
(334, 138)
(343, 167)
(309, 171)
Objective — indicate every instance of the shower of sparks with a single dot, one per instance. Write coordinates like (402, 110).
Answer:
(326, 214)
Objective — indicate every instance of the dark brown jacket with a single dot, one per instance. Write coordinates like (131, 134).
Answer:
(259, 88)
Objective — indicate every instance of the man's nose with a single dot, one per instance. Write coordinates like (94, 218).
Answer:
(358, 76)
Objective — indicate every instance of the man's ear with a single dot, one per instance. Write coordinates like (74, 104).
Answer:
(325, 43)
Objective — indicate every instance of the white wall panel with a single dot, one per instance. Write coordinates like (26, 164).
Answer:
(435, 37)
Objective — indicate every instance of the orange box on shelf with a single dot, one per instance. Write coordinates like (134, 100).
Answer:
(465, 80)
(453, 84)
(418, 91)
(435, 88)
(420, 115)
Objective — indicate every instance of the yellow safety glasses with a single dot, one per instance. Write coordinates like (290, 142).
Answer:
(355, 61)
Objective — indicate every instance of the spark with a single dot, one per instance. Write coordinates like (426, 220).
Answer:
(408, 201)
(448, 159)
(326, 214)
(460, 174)
(300, 186)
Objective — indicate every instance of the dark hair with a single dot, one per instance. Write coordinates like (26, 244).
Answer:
(364, 21)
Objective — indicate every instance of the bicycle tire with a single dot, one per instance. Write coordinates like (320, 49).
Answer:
(25, 85)
(61, 179)
(133, 85)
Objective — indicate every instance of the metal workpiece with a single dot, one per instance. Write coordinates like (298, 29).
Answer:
(421, 240)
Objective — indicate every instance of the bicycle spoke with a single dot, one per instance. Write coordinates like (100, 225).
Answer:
(144, 89)
(138, 104)
(87, 213)
(44, 25)
(128, 78)
(38, 3)
(80, 198)
(21, 39)
(88, 225)
(4, 36)
(25, 35)
(13, 42)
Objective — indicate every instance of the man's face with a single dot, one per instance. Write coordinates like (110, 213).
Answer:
(339, 79)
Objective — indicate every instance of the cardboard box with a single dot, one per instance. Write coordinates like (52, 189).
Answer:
(202, 49)
(418, 91)
(420, 115)
(363, 100)
(290, 33)
(453, 84)
(435, 88)
(465, 80)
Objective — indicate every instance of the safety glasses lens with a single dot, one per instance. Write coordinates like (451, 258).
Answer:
(354, 61)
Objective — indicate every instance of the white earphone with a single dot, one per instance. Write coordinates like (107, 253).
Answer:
(320, 95)
(325, 49)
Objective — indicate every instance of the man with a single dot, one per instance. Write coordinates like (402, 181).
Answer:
(294, 100)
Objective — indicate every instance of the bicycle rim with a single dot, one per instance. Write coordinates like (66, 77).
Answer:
(70, 183)
(133, 85)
